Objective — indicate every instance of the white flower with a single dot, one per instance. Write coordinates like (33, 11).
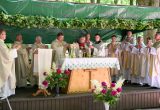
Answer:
(97, 85)
(119, 83)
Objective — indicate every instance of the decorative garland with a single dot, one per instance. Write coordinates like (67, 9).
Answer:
(23, 21)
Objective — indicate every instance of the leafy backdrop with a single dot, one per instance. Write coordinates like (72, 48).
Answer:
(23, 21)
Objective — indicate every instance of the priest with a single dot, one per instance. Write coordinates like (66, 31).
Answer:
(113, 52)
(156, 65)
(147, 62)
(99, 47)
(136, 66)
(34, 72)
(7, 65)
(22, 66)
(59, 47)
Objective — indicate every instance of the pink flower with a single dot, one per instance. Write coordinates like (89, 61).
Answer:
(119, 90)
(67, 72)
(104, 84)
(45, 83)
(114, 93)
(58, 71)
(113, 85)
(45, 73)
(104, 91)
(60, 79)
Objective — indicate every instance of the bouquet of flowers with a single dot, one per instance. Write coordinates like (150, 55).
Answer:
(56, 77)
(107, 93)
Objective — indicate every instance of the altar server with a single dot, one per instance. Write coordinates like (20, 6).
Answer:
(22, 66)
(7, 66)
(113, 52)
(156, 65)
(59, 47)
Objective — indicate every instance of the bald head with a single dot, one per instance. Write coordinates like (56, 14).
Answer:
(38, 39)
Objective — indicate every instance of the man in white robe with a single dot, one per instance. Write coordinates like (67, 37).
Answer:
(22, 66)
(136, 66)
(59, 47)
(147, 62)
(7, 66)
(156, 64)
(99, 47)
(34, 73)
(113, 52)
(126, 48)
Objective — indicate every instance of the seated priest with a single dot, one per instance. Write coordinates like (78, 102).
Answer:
(59, 47)
(22, 67)
(113, 52)
(34, 73)
(7, 66)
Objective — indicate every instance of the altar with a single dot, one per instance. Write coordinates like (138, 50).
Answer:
(86, 69)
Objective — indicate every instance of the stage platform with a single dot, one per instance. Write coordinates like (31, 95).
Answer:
(133, 97)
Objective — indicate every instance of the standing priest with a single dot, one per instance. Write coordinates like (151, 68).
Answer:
(156, 65)
(7, 64)
(22, 63)
(59, 47)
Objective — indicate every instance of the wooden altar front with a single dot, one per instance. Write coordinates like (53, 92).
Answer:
(80, 79)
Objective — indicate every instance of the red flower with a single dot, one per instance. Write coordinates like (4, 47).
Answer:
(113, 85)
(45, 83)
(67, 72)
(58, 71)
(119, 90)
(60, 79)
(104, 91)
(114, 93)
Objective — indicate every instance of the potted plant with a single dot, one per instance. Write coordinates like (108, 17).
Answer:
(108, 94)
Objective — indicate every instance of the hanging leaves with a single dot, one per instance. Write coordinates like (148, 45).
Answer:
(23, 21)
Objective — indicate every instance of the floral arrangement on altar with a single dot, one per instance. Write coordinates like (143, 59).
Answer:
(73, 48)
(109, 94)
(56, 78)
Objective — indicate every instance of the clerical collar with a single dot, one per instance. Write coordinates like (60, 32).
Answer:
(98, 42)
(1, 40)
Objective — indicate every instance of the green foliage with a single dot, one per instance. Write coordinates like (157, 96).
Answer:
(23, 21)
